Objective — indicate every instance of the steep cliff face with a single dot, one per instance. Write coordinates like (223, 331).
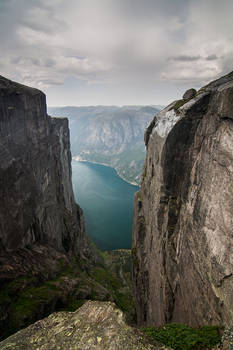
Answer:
(183, 220)
(41, 227)
(46, 261)
(35, 173)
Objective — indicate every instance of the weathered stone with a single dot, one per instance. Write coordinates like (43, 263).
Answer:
(189, 94)
(227, 339)
(182, 235)
(95, 326)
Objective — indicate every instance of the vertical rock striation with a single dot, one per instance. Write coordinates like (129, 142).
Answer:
(36, 193)
(183, 214)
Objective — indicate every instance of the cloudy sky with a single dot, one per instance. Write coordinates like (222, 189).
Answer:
(89, 52)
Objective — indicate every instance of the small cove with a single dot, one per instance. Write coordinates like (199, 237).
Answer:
(107, 202)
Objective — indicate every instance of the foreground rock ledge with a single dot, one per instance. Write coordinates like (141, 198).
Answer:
(96, 325)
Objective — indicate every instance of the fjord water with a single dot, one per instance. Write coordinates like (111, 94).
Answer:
(107, 202)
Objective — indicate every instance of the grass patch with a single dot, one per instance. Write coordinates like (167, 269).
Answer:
(124, 301)
(139, 196)
(73, 304)
(106, 279)
(182, 337)
(178, 104)
(122, 298)
(31, 302)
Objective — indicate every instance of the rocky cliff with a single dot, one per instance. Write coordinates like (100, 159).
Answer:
(35, 174)
(183, 219)
(41, 226)
(47, 263)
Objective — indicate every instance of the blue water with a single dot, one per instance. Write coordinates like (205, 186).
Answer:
(107, 202)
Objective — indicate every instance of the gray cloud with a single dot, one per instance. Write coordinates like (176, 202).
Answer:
(211, 58)
(116, 49)
(185, 58)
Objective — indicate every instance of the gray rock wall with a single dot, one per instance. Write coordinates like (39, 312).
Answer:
(36, 195)
(183, 219)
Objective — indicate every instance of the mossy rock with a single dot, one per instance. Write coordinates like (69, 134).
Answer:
(29, 298)
(178, 104)
(181, 337)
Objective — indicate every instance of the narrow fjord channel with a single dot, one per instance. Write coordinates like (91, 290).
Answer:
(107, 202)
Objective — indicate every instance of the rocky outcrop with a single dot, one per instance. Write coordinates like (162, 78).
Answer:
(95, 326)
(183, 219)
(189, 94)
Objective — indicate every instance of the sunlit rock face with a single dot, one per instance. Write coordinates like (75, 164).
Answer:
(95, 326)
(35, 173)
(183, 213)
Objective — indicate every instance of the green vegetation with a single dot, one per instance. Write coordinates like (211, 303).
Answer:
(32, 301)
(29, 298)
(144, 172)
(201, 91)
(178, 104)
(73, 304)
(106, 279)
(181, 337)
(139, 196)
(113, 284)
(116, 277)
(128, 164)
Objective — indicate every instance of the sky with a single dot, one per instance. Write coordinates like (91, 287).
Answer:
(115, 52)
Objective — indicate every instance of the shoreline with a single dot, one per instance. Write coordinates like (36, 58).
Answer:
(80, 159)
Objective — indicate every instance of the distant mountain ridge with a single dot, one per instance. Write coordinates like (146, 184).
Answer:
(110, 135)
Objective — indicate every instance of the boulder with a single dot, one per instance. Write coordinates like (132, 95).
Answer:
(189, 94)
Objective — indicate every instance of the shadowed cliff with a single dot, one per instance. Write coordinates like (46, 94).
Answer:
(35, 174)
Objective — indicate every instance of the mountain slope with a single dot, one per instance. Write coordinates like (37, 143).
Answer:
(109, 135)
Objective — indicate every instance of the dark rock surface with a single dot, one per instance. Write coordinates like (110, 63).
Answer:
(183, 219)
(190, 93)
(95, 326)
(35, 173)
